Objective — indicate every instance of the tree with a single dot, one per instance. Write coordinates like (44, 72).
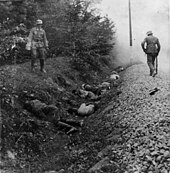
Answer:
(14, 16)
(75, 30)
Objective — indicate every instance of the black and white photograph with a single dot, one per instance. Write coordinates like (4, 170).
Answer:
(84, 86)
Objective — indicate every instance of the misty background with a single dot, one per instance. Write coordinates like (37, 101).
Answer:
(146, 15)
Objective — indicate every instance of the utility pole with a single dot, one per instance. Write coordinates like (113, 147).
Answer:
(130, 23)
(168, 28)
(168, 52)
(130, 34)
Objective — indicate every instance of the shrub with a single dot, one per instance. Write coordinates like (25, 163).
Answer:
(74, 29)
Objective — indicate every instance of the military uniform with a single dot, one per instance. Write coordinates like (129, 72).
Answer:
(151, 46)
(38, 43)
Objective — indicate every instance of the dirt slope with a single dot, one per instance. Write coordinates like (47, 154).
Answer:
(36, 145)
(128, 133)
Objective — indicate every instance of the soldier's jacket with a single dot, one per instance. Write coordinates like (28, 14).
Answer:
(151, 44)
(37, 38)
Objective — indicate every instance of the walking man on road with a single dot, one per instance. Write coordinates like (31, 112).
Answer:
(151, 47)
(38, 44)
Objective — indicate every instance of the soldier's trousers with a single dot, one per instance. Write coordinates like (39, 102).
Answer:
(151, 62)
(38, 53)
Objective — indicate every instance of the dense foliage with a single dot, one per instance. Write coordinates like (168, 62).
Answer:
(15, 22)
(73, 29)
(12, 14)
(79, 32)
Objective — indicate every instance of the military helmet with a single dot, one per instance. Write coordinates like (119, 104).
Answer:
(39, 22)
(149, 33)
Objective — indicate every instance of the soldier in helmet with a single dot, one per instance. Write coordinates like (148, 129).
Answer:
(151, 46)
(37, 43)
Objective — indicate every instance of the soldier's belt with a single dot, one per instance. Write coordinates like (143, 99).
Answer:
(37, 40)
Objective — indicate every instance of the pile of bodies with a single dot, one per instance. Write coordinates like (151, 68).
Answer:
(50, 113)
(88, 93)
(93, 93)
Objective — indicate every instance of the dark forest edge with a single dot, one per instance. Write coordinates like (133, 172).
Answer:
(74, 29)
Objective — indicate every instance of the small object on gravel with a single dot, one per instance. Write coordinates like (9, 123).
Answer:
(152, 92)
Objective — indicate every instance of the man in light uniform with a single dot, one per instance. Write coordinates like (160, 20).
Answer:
(151, 47)
(38, 44)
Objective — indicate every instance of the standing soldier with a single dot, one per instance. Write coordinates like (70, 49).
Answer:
(151, 47)
(37, 43)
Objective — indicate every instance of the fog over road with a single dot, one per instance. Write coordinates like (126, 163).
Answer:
(146, 15)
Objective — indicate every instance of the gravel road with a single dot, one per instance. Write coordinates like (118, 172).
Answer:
(147, 115)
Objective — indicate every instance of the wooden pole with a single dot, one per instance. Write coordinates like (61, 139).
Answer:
(130, 23)
(130, 34)
(168, 51)
(168, 29)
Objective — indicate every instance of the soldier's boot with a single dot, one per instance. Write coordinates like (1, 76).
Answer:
(33, 65)
(154, 73)
(42, 63)
(150, 73)
(152, 69)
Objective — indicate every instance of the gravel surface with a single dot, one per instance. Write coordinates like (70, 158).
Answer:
(147, 147)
